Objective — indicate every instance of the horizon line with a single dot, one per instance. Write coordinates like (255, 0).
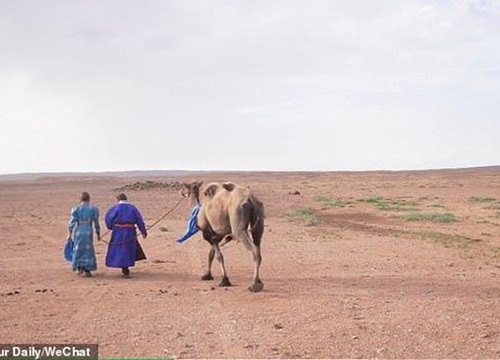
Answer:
(190, 171)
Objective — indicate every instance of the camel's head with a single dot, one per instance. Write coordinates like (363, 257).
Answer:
(191, 190)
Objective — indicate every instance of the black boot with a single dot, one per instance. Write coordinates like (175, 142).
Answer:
(126, 272)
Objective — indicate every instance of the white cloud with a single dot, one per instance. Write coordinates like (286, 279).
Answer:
(248, 85)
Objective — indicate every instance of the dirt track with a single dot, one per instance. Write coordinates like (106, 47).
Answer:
(346, 273)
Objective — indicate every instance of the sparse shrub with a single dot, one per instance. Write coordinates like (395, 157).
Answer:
(492, 202)
(307, 214)
(434, 217)
(496, 251)
(437, 206)
(390, 204)
(332, 202)
(494, 206)
(448, 240)
(481, 199)
(374, 199)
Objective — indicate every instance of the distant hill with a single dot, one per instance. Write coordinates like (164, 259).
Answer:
(124, 174)
(180, 173)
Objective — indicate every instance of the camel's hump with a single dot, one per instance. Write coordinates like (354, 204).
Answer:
(229, 186)
(211, 189)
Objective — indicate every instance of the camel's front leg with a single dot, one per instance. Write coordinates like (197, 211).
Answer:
(208, 274)
(211, 237)
(257, 285)
(225, 281)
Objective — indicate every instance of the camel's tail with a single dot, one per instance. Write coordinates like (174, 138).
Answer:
(251, 218)
(256, 220)
(253, 213)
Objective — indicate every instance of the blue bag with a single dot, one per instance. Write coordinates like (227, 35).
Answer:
(192, 227)
(68, 250)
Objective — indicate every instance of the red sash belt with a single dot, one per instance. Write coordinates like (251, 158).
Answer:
(124, 225)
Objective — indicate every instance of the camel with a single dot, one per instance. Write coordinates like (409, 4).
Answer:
(228, 212)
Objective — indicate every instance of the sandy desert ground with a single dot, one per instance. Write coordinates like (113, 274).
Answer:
(355, 265)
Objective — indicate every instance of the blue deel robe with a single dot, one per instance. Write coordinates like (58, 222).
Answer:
(122, 219)
(84, 218)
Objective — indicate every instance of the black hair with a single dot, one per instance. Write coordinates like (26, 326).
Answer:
(85, 196)
(121, 197)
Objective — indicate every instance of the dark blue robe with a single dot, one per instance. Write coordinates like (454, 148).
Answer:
(122, 219)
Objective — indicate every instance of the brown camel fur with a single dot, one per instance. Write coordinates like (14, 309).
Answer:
(228, 211)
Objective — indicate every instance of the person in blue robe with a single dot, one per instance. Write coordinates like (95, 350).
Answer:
(122, 220)
(84, 219)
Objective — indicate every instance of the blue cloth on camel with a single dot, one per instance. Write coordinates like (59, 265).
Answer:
(192, 226)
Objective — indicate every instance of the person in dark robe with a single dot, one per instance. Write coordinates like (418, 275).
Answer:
(122, 220)
(84, 220)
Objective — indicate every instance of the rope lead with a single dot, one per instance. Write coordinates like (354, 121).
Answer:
(152, 225)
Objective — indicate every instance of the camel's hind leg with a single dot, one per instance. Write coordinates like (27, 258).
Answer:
(257, 230)
(239, 224)
(257, 284)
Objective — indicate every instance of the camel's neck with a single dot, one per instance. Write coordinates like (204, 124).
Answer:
(195, 197)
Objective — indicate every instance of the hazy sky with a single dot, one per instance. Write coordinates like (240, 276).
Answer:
(96, 85)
